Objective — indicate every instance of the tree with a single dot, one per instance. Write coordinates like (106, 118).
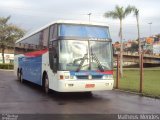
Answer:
(120, 13)
(9, 33)
(134, 47)
(136, 13)
(158, 36)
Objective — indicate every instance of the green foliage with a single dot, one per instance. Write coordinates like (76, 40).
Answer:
(9, 33)
(158, 36)
(119, 12)
(134, 47)
(6, 66)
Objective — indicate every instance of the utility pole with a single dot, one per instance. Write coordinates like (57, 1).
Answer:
(141, 74)
(89, 15)
(117, 74)
(150, 29)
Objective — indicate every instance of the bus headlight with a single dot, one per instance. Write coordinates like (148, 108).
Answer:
(66, 76)
(110, 76)
(71, 77)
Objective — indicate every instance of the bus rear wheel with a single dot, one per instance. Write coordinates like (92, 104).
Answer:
(46, 84)
(21, 77)
(18, 75)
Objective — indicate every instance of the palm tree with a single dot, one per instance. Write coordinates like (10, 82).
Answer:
(136, 13)
(120, 13)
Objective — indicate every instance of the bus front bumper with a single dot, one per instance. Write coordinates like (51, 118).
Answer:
(84, 85)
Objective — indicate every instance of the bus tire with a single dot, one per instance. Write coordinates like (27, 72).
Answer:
(89, 93)
(21, 77)
(46, 84)
(18, 74)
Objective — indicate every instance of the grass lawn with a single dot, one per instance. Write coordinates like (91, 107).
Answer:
(151, 84)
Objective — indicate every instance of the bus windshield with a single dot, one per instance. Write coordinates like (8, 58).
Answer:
(77, 55)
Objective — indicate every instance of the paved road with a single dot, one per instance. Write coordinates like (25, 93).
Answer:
(28, 98)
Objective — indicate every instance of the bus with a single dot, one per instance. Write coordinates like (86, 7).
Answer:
(66, 56)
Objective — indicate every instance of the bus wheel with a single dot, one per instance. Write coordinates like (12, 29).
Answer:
(21, 77)
(89, 93)
(46, 84)
(18, 75)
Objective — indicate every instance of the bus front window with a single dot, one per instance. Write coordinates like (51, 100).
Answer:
(71, 52)
(101, 55)
(77, 55)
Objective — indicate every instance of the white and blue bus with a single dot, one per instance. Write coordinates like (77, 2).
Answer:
(66, 56)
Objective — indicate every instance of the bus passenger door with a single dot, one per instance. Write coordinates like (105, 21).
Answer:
(53, 48)
(53, 56)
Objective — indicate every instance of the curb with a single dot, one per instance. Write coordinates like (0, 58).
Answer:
(120, 90)
(136, 93)
(5, 70)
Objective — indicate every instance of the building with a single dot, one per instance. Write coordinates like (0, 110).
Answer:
(150, 45)
(8, 55)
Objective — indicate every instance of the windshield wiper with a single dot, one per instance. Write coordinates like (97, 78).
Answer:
(96, 59)
(82, 62)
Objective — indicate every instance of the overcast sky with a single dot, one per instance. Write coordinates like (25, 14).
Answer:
(32, 14)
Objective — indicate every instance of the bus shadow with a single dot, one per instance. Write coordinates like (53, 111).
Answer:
(70, 95)
(58, 95)
(31, 85)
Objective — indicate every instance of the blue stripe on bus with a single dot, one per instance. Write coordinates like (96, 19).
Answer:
(91, 72)
(32, 68)
(73, 73)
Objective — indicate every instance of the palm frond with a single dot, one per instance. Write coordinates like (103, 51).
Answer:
(111, 14)
(4, 21)
(120, 11)
(128, 10)
(136, 12)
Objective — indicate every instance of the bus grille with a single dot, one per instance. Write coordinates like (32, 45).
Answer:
(93, 77)
(82, 77)
(97, 77)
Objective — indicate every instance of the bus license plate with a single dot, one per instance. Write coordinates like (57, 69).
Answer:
(90, 86)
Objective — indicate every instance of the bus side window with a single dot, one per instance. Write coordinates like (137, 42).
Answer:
(53, 32)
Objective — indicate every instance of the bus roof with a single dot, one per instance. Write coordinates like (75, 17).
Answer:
(63, 21)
